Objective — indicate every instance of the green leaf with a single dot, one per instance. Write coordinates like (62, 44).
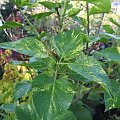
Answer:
(8, 107)
(114, 101)
(51, 97)
(75, 76)
(28, 46)
(21, 3)
(81, 20)
(73, 12)
(50, 5)
(116, 37)
(108, 29)
(26, 112)
(40, 63)
(90, 68)
(11, 25)
(67, 115)
(100, 6)
(22, 89)
(68, 44)
(94, 38)
(42, 15)
(80, 112)
(112, 54)
(114, 22)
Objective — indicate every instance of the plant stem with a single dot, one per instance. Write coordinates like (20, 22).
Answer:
(33, 27)
(37, 33)
(102, 17)
(8, 34)
(56, 71)
(46, 47)
(88, 24)
(63, 13)
(88, 18)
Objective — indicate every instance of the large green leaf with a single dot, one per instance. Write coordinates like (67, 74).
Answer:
(51, 97)
(100, 6)
(22, 89)
(50, 5)
(108, 35)
(26, 112)
(73, 11)
(114, 101)
(90, 68)
(40, 63)
(112, 54)
(114, 22)
(42, 15)
(10, 25)
(108, 29)
(29, 46)
(68, 44)
(77, 77)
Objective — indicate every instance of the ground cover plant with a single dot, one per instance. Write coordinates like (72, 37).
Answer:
(74, 74)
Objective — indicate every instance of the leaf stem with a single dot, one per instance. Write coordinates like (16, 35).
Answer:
(63, 13)
(57, 67)
(33, 27)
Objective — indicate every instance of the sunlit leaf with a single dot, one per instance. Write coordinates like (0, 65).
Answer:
(42, 15)
(50, 5)
(68, 44)
(108, 29)
(28, 46)
(73, 11)
(50, 97)
(114, 22)
(100, 6)
(10, 25)
(90, 68)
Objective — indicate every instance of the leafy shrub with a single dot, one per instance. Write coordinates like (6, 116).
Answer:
(69, 83)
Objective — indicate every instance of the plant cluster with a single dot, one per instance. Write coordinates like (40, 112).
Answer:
(70, 83)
